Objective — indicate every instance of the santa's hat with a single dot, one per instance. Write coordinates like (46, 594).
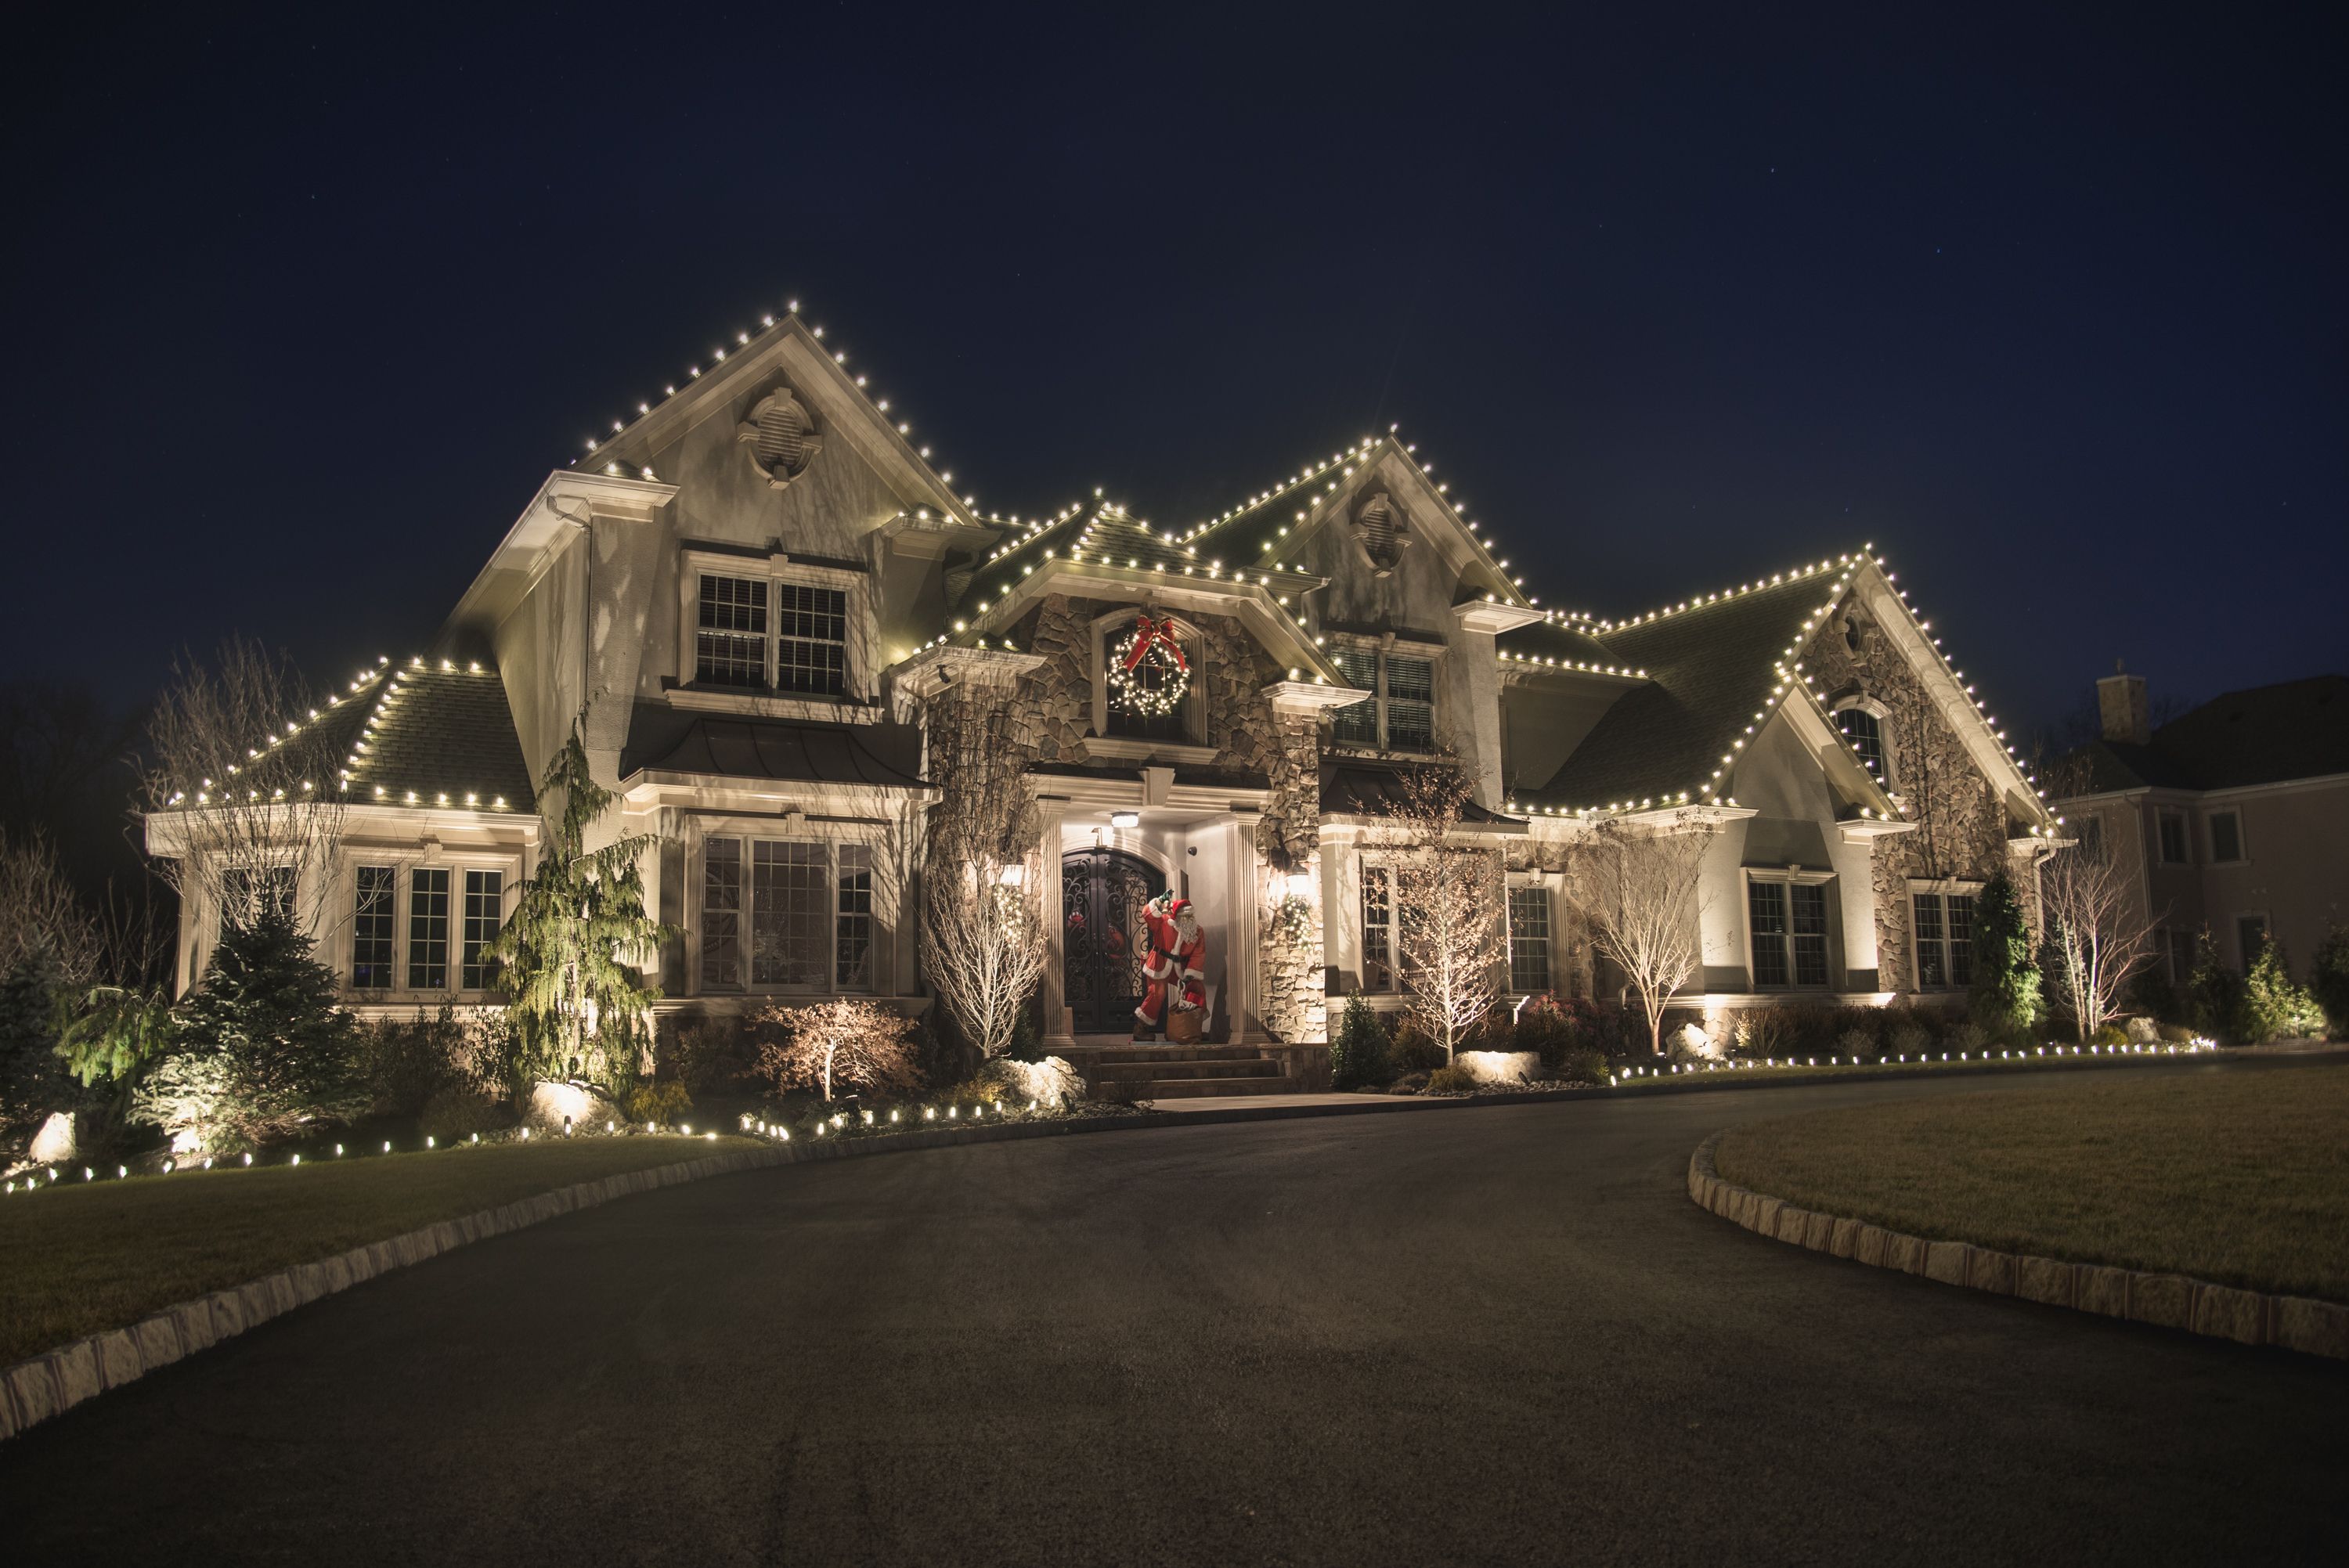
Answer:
(1176, 908)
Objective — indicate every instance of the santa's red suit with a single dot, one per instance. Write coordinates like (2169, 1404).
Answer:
(1175, 962)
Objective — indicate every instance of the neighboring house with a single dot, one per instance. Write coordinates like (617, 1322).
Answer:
(755, 589)
(2233, 815)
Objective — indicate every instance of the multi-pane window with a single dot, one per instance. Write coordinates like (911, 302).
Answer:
(1378, 929)
(851, 944)
(1149, 679)
(801, 649)
(1400, 713)
(810, 639)
(371, 928)
(779, 915)
(1945, 940)
(729, 643)
(2226, 837)
(1789, 922)
(1866, 733)
(1528, 940)
(484, 912)
(2173, 839)
(721, 915)
(428, 928)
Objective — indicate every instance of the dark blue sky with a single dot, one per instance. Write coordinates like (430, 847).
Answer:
(297, 319)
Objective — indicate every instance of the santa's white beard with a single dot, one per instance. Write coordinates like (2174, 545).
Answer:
(1186, 928)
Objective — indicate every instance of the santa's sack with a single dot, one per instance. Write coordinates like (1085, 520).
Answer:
(1183, 1025)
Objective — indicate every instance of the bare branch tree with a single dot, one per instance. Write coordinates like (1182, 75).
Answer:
(983, 940)
(39, 910)
(855, 1044)
(2096, 937)
(1638, 885)
(243, 793)
(1449, 932)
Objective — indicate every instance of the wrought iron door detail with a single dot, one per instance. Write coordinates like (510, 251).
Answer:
(1101, 939)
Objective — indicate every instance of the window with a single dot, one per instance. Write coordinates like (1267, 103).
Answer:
(484, 914)
(721, 915)
(730, 647)
(2173, 839)
(802, 919)
(2250, 936)
(428, 929)
(2226, 837)
(1148, 679)
(371, 917)
(1866, 733)
(2181, 957)
(851, 946)
(810, 639)
(1378, 931)
(801, 649)
(1789, 922)
(1400, 713)
(1528, 940)
(1945, 940)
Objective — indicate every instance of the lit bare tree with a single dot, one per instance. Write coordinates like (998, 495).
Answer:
(243, 793)
(1449, 932)
(2096, 935)
(983, 939)
(856, 1044)
(1638, 885)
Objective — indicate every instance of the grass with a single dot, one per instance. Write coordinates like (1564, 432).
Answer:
(81, 1258)
(2238, 1178)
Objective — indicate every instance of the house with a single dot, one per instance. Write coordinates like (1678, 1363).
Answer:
(752, 594)
(2233, 815)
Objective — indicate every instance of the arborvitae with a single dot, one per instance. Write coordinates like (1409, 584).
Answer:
(1358, 1052)
(570, 955)
(2006, 979)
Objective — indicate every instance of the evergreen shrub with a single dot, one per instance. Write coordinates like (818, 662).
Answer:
(1358, 1056)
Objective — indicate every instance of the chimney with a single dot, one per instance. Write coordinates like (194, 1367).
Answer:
(2122, 708)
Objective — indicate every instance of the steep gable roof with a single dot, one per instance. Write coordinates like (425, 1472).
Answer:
(1713, 670)
(2262, 735)
(432, 733)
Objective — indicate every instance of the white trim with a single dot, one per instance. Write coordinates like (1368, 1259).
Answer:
(792, 828)
(1806, 876)
(2210, 815)
(860, 679)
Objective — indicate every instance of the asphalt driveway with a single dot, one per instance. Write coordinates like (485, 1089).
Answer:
(1497, 1336)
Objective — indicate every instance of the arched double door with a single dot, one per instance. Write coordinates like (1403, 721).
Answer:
(1103, 942)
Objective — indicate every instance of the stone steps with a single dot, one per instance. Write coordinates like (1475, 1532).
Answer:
(1171, 1071)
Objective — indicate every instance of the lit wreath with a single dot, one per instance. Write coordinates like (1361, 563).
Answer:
(1152, 643)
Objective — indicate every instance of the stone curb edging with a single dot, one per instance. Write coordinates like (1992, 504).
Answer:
(2164, 1300)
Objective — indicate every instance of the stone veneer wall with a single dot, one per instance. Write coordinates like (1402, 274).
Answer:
(1961, 824)
(1056, 699)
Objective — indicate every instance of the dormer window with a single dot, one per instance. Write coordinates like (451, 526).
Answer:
(768, 628)
(1400, 713)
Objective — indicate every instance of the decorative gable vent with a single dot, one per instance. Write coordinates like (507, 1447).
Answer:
(1380, 529)
(780, 438)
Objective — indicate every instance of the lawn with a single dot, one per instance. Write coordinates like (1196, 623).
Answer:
(78, 1258)
(2240, 1178)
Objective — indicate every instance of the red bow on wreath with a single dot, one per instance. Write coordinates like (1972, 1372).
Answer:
(1146, 632)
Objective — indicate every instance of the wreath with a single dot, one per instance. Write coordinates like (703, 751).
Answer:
(1152, 645)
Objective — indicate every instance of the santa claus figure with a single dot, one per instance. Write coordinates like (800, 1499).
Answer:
(1175, 963)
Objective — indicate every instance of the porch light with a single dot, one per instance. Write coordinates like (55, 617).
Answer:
(1125, 818)
(1012, 875)
(1298, 884)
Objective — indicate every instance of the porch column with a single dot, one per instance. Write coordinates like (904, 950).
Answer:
(1244, 955)
(1059, 1033)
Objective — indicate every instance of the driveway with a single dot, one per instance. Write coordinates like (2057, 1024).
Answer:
(1495, 1335)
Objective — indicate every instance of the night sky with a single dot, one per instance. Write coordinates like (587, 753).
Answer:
(296, 321)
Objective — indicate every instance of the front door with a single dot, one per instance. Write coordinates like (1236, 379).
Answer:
(1102, 943)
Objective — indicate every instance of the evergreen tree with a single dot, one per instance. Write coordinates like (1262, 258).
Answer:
(32, 1081)
(2274, 1008)
(260, 1050)
(2331, 981)
(569, 956)
(2215, 995)
(1358, 1055)
(2006, 975)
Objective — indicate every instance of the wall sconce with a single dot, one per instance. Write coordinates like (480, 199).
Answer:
(1298, 884)
(1012, 875)
(1125, 818)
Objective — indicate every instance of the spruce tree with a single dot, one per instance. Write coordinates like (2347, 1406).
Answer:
(2006, 979)
(569, 956)
(1358, 1054)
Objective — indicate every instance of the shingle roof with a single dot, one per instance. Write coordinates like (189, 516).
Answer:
(432, 734)
(1711, 667)
(1362, 789)
(2263, 734)
(660, 738)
